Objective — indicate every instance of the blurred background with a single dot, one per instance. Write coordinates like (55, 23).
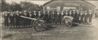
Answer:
(81, 32)
(13, 5)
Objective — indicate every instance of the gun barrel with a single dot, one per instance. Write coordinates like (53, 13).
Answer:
(28, 18)
(31, 18)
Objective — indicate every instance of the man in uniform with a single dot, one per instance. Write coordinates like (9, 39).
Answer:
(82, 17)
(18, 23)
(12, 18)
(6, 15)
(58, 18)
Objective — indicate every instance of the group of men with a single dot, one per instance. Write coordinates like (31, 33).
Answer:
(54, 17)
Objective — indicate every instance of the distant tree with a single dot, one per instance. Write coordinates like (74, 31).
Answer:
(15, 7)
(11, 7)
(20, 7)
(30, 6)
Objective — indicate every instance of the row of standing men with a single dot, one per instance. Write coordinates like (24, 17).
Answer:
(13, 18)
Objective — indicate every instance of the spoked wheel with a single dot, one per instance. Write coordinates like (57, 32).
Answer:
(69, 24)
(39, 25)
(68, 21)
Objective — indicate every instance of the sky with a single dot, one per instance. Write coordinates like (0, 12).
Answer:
(18, 1)
(43, 2)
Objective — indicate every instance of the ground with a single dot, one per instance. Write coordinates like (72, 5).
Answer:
(61, 32)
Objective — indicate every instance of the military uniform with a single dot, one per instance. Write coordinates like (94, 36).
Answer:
(6, 19)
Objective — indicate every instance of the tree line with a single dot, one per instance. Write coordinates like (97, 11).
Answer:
(20, 7)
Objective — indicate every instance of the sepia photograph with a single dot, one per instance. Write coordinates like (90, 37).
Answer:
(48, 19)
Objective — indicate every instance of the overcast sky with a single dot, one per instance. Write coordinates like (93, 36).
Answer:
(44, 1)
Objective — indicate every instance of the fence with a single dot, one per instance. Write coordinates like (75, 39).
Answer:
(51, 17)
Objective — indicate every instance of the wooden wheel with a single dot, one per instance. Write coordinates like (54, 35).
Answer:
(39, 26)
(68, 21)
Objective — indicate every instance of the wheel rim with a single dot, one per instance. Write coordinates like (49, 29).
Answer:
(39, 26)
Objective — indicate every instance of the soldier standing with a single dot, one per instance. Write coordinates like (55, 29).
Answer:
(11, 19)
(62, 15)
(46, 17)
(88, 15)
(77, 16)
(70, 12)
(90, 18)
(56, 17)
(17, 18)
(74, 16)
(33, 14)
(66, 12)
(26, 21)
(6, 18)
(39, 14)
(85, 17)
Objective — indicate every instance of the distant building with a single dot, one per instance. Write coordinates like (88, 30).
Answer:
(78, 4)
(86, 8)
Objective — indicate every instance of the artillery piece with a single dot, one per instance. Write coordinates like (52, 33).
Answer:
(41, 25)
(38, 24)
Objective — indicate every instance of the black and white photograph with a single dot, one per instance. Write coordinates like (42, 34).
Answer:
(48, 19)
